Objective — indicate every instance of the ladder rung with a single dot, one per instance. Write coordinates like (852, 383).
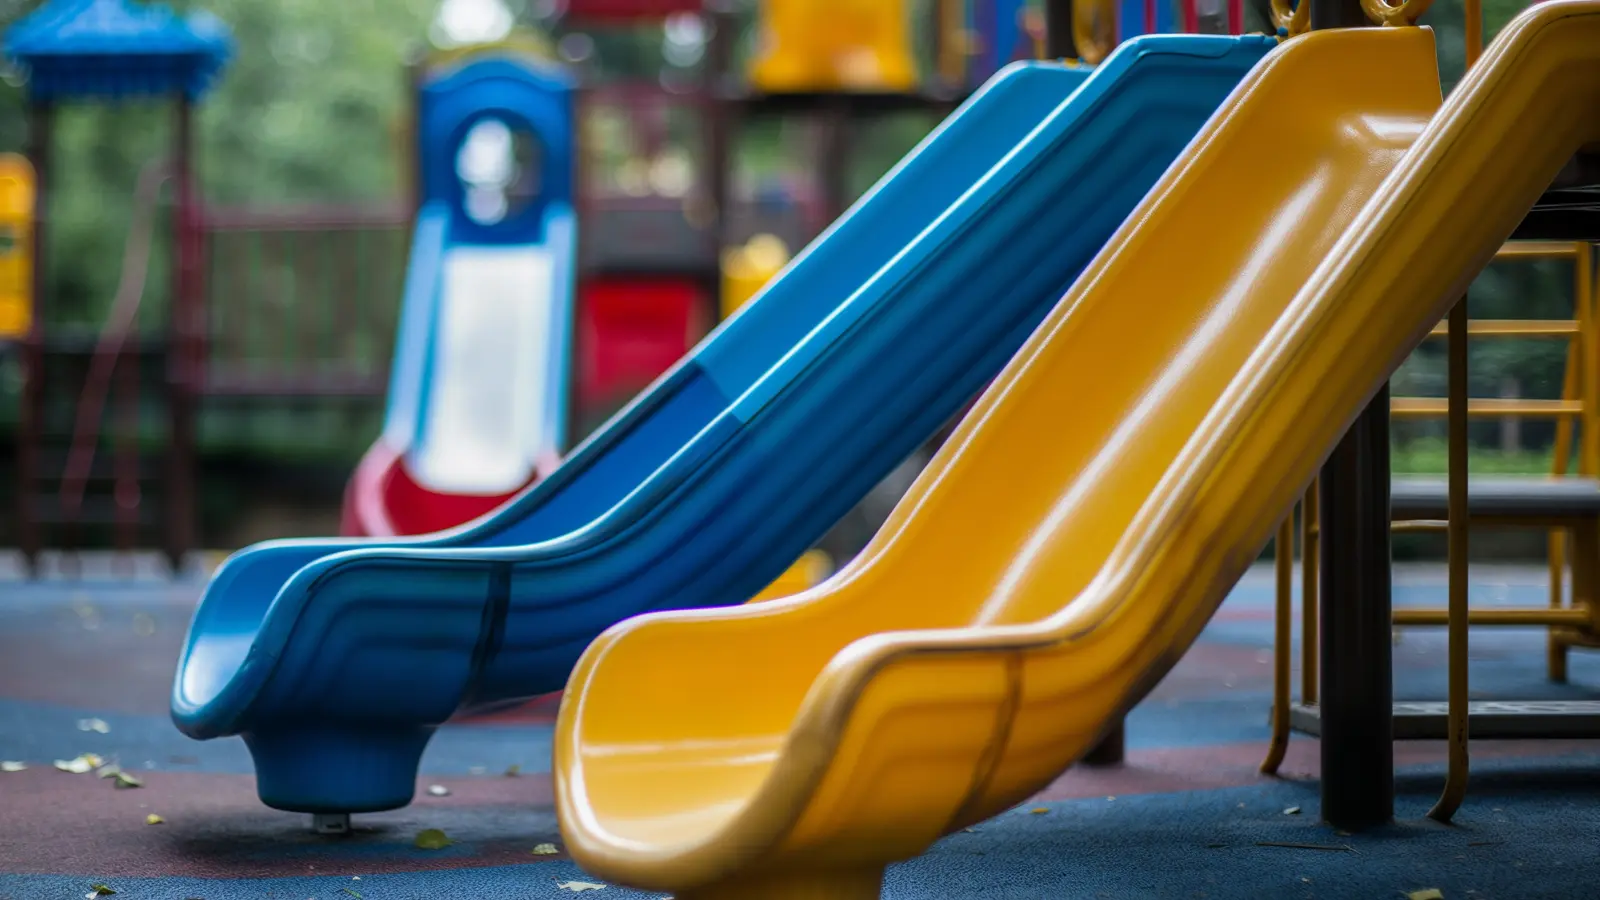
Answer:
(1487, 406)
(1514, 328)
(1539, 250)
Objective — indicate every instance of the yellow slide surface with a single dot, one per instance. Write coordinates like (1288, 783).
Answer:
(1075, 534)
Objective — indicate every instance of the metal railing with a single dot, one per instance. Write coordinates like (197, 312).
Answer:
(1577, 414)
(302, 301)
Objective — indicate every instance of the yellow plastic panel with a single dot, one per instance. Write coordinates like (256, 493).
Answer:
(16, 246)
(841, 45)
(806, 573)
(748, 268)
(1065, 547)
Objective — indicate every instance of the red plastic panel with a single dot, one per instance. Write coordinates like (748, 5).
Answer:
(630, 330)
(598, 10)
(383, 500)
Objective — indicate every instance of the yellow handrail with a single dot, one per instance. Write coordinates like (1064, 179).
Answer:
(1291, 22)
(1094, 29)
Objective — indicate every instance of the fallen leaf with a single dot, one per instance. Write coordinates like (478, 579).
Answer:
(433, 839)
(88, 616)
(88, 762)
(1426, 894)
(513, 770)
(12, 766)
(154, 819)
(118, 777)
(545, 850)
(99, 890)
(144, 624)
(1039, 810)
(98, 726)
(1292, 811)
(351, 893)
(579, 886)
(438, 790)
(1111, 799)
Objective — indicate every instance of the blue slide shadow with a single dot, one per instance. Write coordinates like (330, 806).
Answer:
(337, 660)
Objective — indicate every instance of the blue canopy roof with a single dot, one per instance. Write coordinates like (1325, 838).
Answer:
(110, 49)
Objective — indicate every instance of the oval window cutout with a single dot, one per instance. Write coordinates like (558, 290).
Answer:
(500, 167)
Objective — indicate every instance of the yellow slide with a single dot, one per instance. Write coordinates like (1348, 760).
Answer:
(1072, 538)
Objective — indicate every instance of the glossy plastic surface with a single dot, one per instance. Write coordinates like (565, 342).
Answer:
(1067, 545)
(327, 655)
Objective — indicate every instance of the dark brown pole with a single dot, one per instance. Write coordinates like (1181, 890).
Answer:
(1058, 42)
(41, 120)
(720, 122)
(836, 123)
(1357, 695)
(185, 348)
(415, 71)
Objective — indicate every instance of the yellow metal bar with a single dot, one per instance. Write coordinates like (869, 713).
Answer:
(1574, 386)
(1561, 456)
(1502, 617)
(1309, 573)
(1474, 29)
(1589, 360)
(1455, 784)
(1555, 648)
(1533, 250)
(1586, 573)
(1487, 407)
(1282, 613)
(1514, 328)
(955, 44)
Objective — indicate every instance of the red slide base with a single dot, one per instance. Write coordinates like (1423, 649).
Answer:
(383, 500)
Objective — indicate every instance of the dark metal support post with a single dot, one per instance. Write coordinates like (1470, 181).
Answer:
(186, 353)
(31, 425)
(1112, 749)
(1357, 662)
(1058, 42)
(721, 125)
(835, 121)
(1357, 695)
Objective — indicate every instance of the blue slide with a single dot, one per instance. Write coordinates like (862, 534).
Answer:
(337, 660)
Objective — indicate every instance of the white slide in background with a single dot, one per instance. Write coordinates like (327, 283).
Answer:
(490, 397)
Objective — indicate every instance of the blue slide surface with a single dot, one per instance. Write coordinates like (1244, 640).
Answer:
(337, 659)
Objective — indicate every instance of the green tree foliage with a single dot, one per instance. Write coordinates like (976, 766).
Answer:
(309, 110)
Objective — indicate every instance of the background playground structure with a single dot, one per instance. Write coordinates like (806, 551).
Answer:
(811, 449)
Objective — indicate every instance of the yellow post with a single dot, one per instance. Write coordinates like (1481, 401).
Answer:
(846, 45)
(16, 239)
(807, 572)
(1282, 616)
(1589, 359)
(747, 269)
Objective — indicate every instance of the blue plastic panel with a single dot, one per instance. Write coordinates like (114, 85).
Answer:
(716, 479)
